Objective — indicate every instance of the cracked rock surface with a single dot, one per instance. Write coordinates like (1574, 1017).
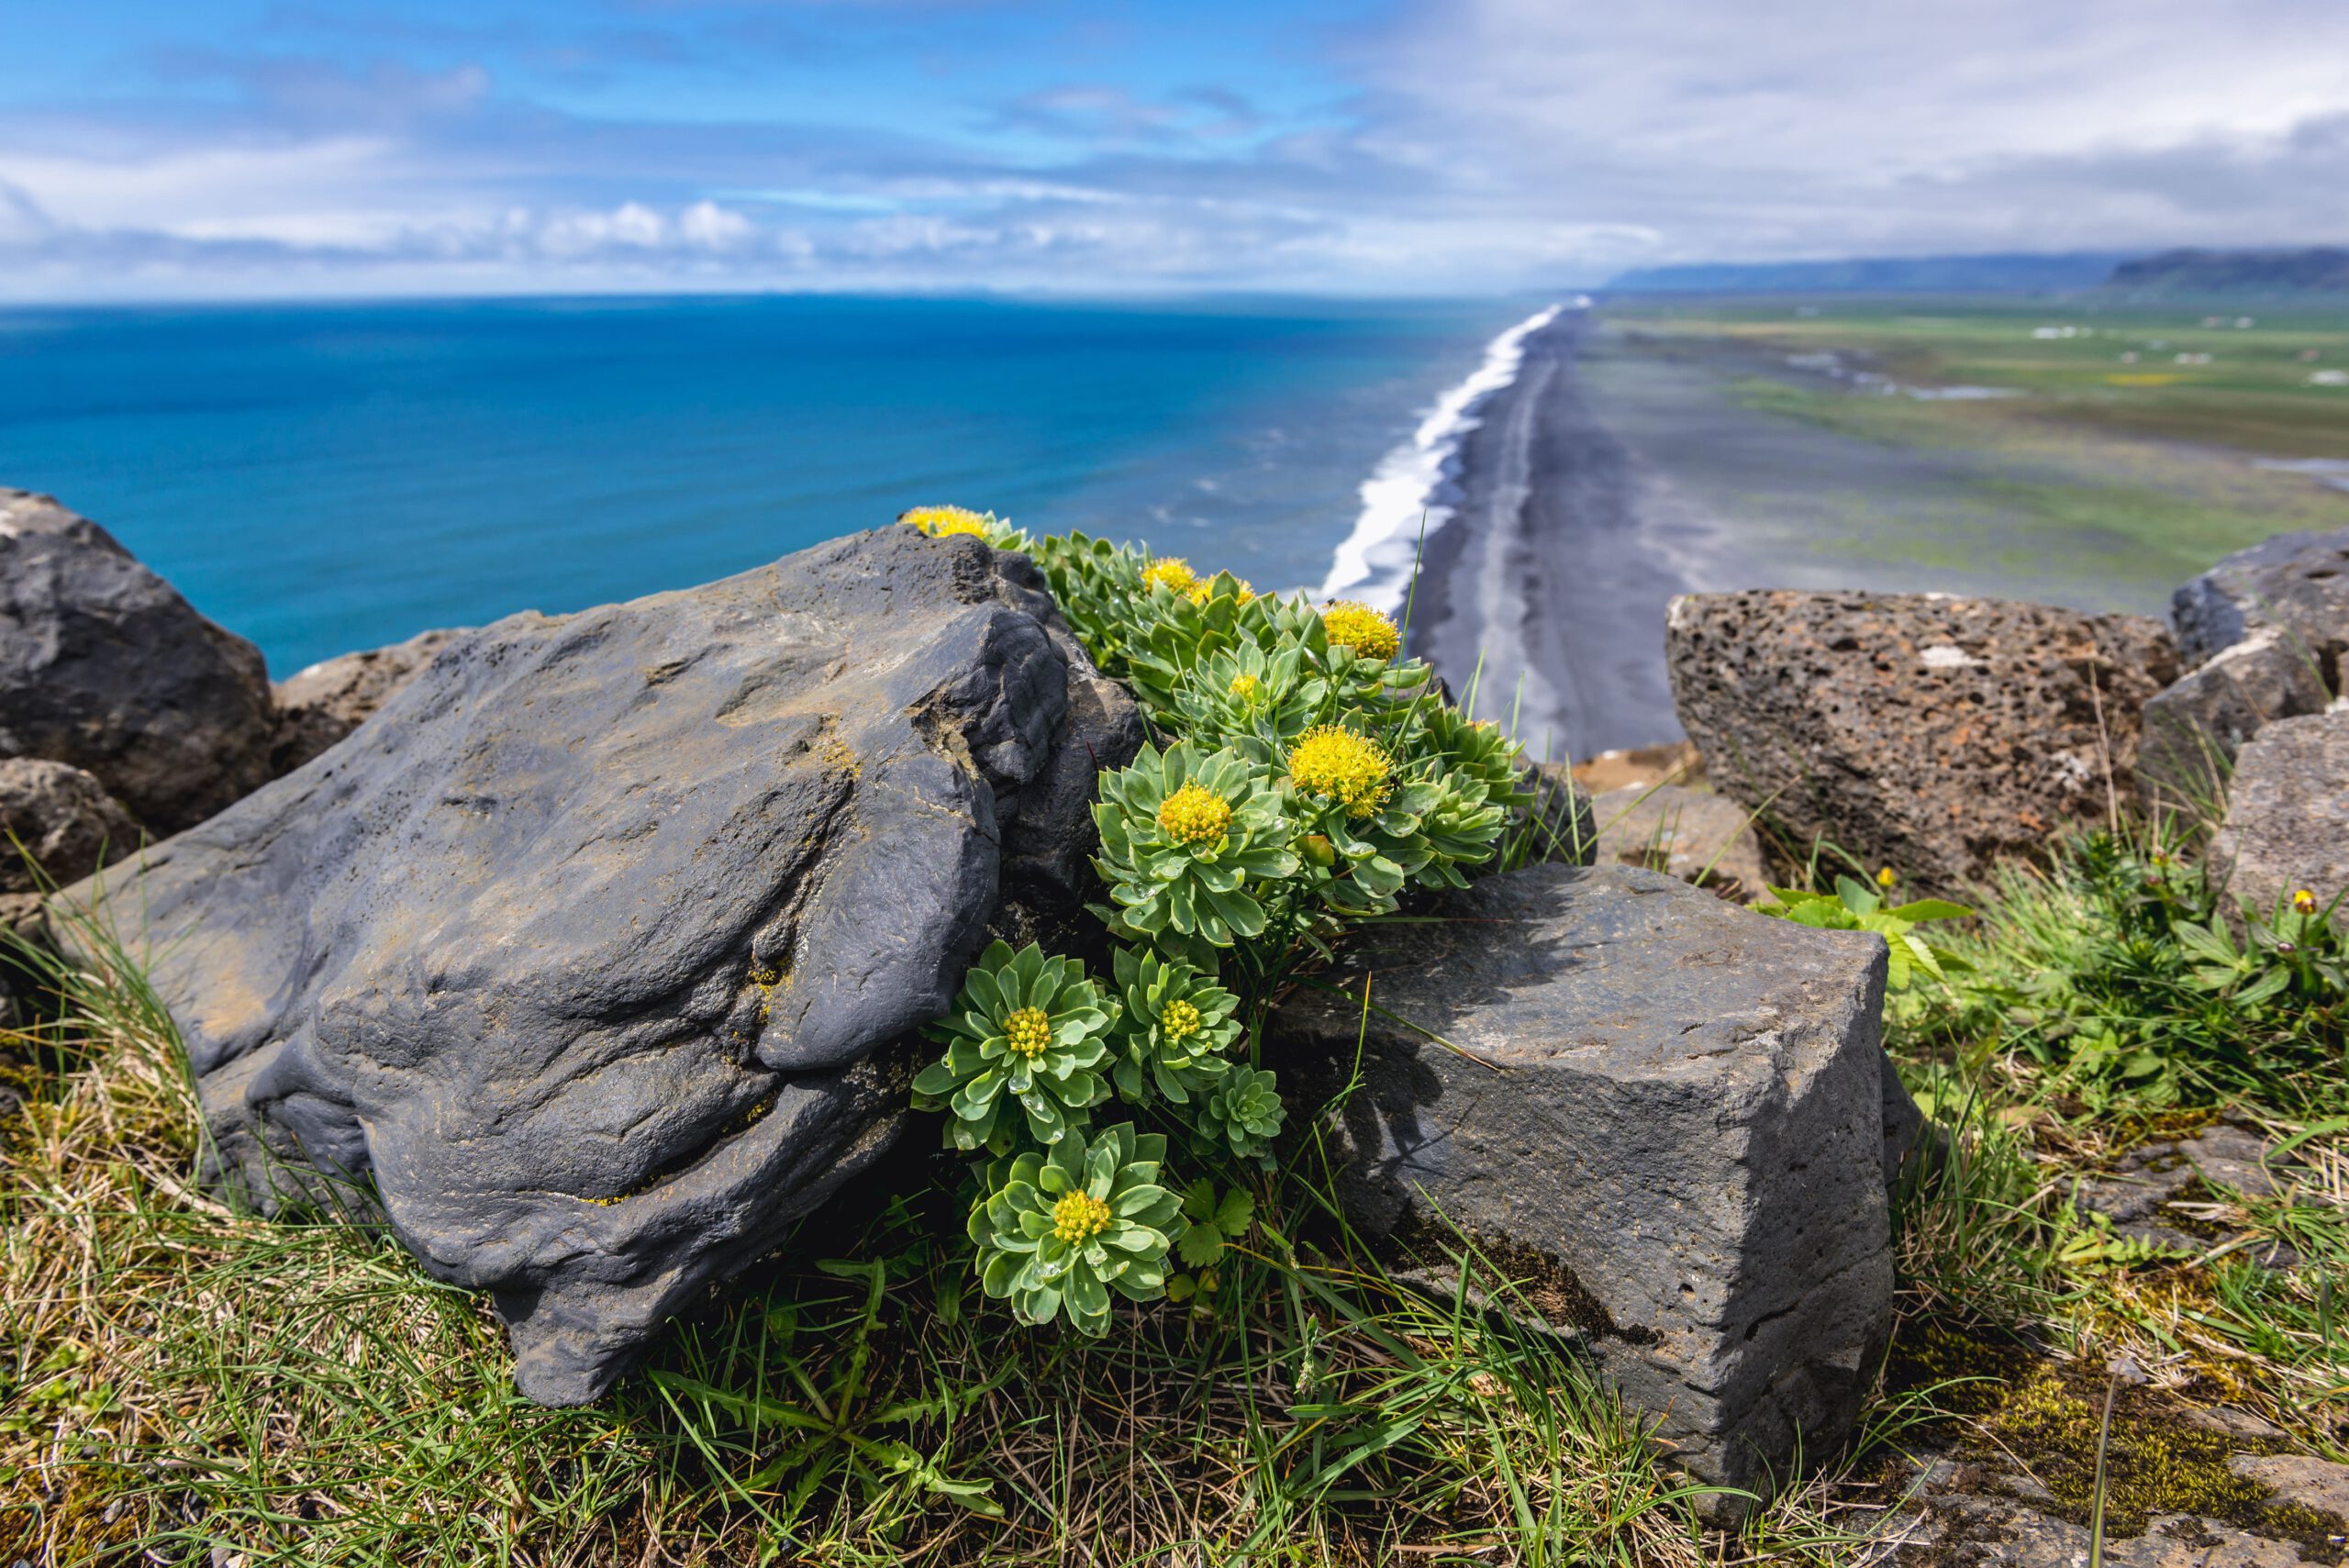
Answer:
(596, 949)
(1668, 1114)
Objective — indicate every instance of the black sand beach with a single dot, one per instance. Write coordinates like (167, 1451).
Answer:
(1551, 569)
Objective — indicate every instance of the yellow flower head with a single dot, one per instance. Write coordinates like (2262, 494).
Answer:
(1362, 628)
(1338, 764)
(1170, 572)
(1029, 1031)
(1180, 1019)
(1079, 1217)
(1245, 686)
(939, 522)
(1887, 877)
(2304, 901)
(1195, 816)
(1201, 591)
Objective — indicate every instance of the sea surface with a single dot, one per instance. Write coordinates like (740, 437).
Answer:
(323, 478)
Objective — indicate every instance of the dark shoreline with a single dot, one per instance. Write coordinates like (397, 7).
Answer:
(1549, 570)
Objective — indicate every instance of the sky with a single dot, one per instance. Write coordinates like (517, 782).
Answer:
(278, 148)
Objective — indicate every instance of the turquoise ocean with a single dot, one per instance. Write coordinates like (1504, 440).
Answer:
(323, 478)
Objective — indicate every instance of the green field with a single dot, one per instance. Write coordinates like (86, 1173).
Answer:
(1950, 445)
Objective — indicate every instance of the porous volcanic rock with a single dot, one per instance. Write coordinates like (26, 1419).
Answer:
(1692, 834)
(1920, 731)
(598, 948)
(319, 706)
(104, 666)
(64, 821)
(2286, 826)
(1666, 1112)
(2294, 584)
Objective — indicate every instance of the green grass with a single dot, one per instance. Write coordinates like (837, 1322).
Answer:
(182, 1384)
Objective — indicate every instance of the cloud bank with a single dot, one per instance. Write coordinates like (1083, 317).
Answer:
(1438, 146)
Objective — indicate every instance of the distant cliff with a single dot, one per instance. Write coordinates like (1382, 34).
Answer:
(1879, 274)
(2322, 270)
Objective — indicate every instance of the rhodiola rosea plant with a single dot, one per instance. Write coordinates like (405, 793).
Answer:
(1303, 778)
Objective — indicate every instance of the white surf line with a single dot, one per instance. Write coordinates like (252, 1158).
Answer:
(1374, 564)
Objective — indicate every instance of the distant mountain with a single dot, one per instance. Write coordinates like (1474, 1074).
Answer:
(2321, 270)
(1881, 275)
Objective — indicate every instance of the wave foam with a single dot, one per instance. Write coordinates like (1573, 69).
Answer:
(1374, 563)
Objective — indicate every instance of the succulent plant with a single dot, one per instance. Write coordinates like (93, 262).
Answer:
(1242, 1112)
(1061, 1229)
(1184, 833)
(1027, 1029)
(1173, 1027)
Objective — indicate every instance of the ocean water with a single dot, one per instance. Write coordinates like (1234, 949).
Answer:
(331, 477)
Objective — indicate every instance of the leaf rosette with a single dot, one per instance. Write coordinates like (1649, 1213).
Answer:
(1251, 700)
(1242, 1112)
(1063, 1230)
(1182, 834)
(1027, 1029)
(1173, 1027)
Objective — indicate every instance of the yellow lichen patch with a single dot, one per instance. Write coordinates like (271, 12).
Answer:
(941, 522)
(1338, 764)
(1029, 1031)
(1180, 1019)
(1195, 816)
(1170, 572)
(1079, 1217)
(1349, 624)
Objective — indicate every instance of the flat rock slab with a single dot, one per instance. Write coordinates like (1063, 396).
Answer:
(1932, 734)
(591, 947)
(1666, 1112)
(104, 666)
(2286, 826)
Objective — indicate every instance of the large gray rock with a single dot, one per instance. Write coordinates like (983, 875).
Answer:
(2263, 632)
(597, 947)
(2286, 826)
(2195, 728)
(319, 706)
(1666, 1111)
(59, 819)
(104, 666)
(1932, 734)
(2294, 584)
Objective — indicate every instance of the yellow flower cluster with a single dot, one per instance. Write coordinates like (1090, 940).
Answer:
(1245, 686)
(1362, 628)
(1029, 1031)
(1180, 1019)
(1204, 589)
(1079, 1217)
(1195, 816)
(1338, 764)
(1170, 572)
(939, 522)
(2304, 901)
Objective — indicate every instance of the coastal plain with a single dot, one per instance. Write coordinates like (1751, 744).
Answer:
(2077, 452)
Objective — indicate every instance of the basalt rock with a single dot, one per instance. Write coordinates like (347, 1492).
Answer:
(104, 666)
(1695, 835)
(59, 819)
(1666, 1113)
(596, 950)
(1928, 733)
(2263, 632)
(319, 706)
(2287, 826)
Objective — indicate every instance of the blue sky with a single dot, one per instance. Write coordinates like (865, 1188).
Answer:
(287, 148)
